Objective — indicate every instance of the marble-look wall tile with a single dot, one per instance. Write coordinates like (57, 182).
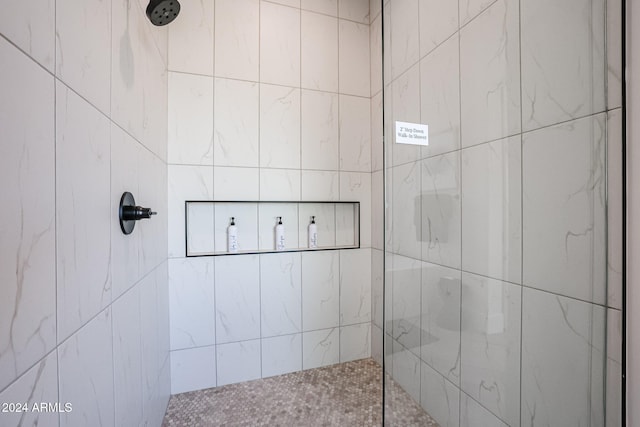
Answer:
(614, 369)
(246, 219)
(279, 127)
(375, 54)
(192, 303)
(327, 7)
(153, 193)
(346, 225)
(437, 27)
(83, 242)
(355, 286)
(279, 44)
(279, 184)
(190, 120)
(562, 338)
(319, 52)
(320, 290)
(83, 46)
(320, 348)
(490, 349)
(563, 61)
(441, 209)
(85, 374)
(31, 26)
(127, 359)
(191, 39)
(236, 124)
(280, 294)
(237, 39)
(152, 356)
(472, 414)
(440, 98)
(614, 54)
(238, 362)
(469, 9)
(377, 276)
(614, 209)
(375, 7)
(354, 10)
(377, 210)
(237, 293)
(193, 369)
(281, 355)
(491, 210)
(355, 342)
(355, 133)
(404, 106)
(564, 230)
(406, 203)
(406, 370)
(440, 312)
(356, 187)
(236, 183)
(125, 176)
(439, 397)
(291, 3)
(320, 122)
(200, 218)
(164, 322)
(377, 133)
(404, 23)
(490, 74)
(406, 302)
(39, 384)
(28, 227)
(186, 183)
(354, 73)
(376, 344)
(320, 185)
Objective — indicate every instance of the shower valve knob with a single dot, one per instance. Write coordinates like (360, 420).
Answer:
(130, 213)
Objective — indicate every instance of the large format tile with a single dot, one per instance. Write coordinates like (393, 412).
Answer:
(614, 369)
(238, 362)
(326, 7)
(31, 26)
(319, 52)
(355, 133)
(355, 342)
(491, 210)
(436, 27)
(472, 414)
(565, 229)
(441, 209)
(406, 304)
(320, 122)
(281, 355)
(279, 127)
(490, 74)
(280, 294)
(280, 184)
(440, 324)
(406, 202)
(614, 209)
(355, 286)
(236, 124)
(83, 49)
(320, 185)
(320, 348)
(320, 290)
(237, 39)
(279, 44)
(406, 370)
(191, 39)
(375, 54)
(562, 338)
(85, 374)
(190, 120)
(404, 37)
(439, 397)
(27, 245)
(490, 349)
(563, 60)
(246, 219)
(354, 73)
(354, 10)
(191, 302)
(237, 293)
(356, 187)
(402, 104)
(193, 369)
(83, 241)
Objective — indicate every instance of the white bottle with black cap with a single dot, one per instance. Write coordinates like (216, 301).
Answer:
(313, 233)
(232, 236)
(279, 235)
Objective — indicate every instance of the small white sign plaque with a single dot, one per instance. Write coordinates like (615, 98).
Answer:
(412, 133)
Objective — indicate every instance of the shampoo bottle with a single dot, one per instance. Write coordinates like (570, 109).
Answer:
(232, 236)
(279, 235)
(313, 233)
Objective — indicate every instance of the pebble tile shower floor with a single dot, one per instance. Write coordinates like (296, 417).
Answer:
(347, 394)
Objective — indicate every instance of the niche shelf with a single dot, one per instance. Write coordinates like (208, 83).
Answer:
(206, 223)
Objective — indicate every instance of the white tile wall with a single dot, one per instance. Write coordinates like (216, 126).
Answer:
(320, 290)
(237, 39)
(319, 130)
(435, 28)
(281, 355)
(193, 369)
(355, 133)
(353, 58)
(439, 397)
(355, 342)
(355, 286)
(237, 362)
(354, 10)
(327, 7)
(280, 294)
(279, 127)
(191, 39)
(279, 44)
(320, 348)
(319, 52)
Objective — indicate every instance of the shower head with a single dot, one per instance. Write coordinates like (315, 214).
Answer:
(162, 12)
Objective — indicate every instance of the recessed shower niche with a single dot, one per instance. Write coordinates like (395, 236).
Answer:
(207, 226)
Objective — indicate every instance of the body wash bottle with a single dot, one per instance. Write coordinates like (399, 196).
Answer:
(279, 235)
(313, 233)
(232, 236)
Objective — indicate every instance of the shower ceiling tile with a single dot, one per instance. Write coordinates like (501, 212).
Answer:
(355, 133)
(440, 312)
(191, 39)
(320, 291)
(237, 39)
(279, 127)
(355, 286)
(490, 349)
(319, 52)
(190, 122)
(490, 74)
(438, 21)
(565, 229)
(280, 294)
(279, 44)
(562, 338)
(563, 64)
(441, 210)
(491, 210)
(439, 397)
(354, 72)
(320, 123)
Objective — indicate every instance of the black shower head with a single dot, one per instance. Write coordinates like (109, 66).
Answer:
(162, 12)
